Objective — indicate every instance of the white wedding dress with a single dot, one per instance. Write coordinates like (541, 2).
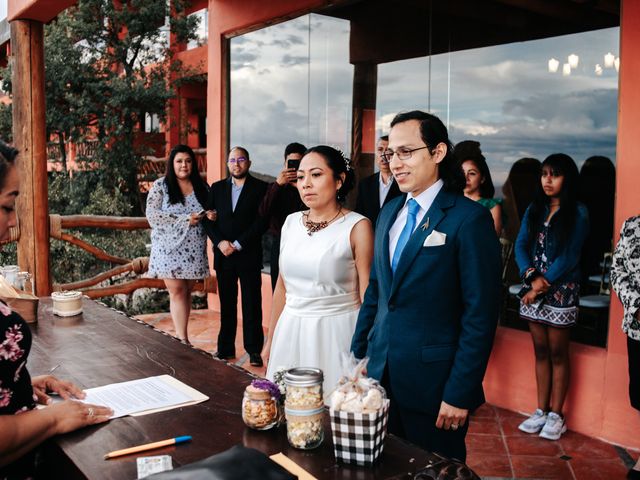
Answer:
(322, 299)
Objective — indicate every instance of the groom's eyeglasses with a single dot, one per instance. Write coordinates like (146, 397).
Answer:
(402, 153)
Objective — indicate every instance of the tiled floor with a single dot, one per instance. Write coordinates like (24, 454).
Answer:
(496, 448)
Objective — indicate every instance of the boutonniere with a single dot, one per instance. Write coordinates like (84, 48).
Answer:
(425, 225)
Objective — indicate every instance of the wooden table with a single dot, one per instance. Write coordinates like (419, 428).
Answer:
(103, 346)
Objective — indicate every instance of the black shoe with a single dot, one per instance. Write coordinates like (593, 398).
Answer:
(633, 474)
(255, 360)
(222, 356)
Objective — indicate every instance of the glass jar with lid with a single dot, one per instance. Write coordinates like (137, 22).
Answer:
(304, 407)
(260, 409)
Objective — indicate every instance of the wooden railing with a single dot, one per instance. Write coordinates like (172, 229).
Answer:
(93, 287)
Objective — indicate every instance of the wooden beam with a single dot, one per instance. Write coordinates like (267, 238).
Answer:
(30, 139)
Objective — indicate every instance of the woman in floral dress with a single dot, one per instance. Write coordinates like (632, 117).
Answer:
(548, 248)
(175, 210)
(22, 427)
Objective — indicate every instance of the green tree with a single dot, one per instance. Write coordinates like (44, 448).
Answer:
(111, 64)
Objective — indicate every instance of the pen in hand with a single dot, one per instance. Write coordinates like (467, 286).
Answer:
(148, 446)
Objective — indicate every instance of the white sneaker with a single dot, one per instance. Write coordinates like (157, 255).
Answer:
(554, 428)
(534, 423)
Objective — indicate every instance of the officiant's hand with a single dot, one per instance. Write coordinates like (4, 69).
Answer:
(70, 415)
(48, 383)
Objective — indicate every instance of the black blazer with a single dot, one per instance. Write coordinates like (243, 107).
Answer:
(368, 202)
(244, 224)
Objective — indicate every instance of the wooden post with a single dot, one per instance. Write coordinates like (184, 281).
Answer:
(365, 78)
(29, 134)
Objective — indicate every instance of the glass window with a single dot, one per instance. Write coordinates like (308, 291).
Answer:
(202, 31)
(291, 82)
(506, 98)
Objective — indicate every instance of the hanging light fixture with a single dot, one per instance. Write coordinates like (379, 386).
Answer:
(609, 58)
(553, 65)
(566, 69)
(598, 69)
(573, 60)
(616, 63)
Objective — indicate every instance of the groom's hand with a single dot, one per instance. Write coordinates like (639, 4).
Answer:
(451, 417)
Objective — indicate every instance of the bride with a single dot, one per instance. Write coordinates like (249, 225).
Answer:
(325, 259)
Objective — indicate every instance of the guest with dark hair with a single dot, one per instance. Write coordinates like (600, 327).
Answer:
(175, 208)
(325, 260)
(376, 190)
(597, 192)
(478, 183)
(548, 255)
(281, 200)
(22, 426)
(519, 191)
(625, 280)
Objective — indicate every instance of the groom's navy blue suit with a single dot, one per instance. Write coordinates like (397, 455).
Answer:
(428, 328)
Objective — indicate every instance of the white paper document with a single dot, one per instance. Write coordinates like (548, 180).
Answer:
(146, 395)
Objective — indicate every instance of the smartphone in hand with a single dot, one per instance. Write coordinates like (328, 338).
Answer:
(292, 163)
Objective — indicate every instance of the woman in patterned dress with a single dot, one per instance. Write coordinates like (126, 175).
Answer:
(175, 209)
(548, 247)
(22, 427)
(625, 280)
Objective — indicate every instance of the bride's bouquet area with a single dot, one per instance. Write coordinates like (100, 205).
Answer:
(359, 411)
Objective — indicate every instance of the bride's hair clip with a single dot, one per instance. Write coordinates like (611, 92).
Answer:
(347, 162)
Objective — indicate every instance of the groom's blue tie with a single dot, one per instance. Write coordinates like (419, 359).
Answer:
(414, 207)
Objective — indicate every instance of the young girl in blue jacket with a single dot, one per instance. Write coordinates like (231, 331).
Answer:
(548, 247)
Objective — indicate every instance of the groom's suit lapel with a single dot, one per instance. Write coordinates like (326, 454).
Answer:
(426, 225)
(384, 225)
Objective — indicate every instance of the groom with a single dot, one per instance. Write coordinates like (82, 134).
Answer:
(430, 311)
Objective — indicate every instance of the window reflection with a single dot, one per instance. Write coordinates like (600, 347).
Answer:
(506, 98)
(291, 82)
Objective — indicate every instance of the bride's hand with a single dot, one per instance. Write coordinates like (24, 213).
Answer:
(266, 350)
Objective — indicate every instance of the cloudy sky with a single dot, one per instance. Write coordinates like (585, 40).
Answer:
(293, 82)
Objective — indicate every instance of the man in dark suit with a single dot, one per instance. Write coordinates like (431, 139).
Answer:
(376, 190)
(236, 236)
(430, 311)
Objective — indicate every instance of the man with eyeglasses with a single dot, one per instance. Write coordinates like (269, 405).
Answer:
(237, 239)
(376, 190)
(430, 312)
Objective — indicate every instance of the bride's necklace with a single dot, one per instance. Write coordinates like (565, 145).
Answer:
(313, 227)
